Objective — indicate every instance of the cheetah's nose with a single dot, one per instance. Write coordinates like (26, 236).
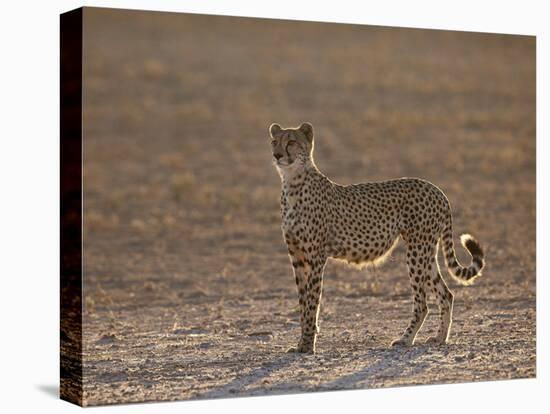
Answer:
(277, 156)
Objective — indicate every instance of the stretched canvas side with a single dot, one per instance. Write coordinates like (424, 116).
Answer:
(71, 206)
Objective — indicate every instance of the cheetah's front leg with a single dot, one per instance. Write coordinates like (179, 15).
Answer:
(309, 280)
(301, 270)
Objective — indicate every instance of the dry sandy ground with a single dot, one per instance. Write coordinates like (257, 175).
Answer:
(188, 290)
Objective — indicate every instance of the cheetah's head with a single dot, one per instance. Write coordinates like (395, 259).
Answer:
(291, 147)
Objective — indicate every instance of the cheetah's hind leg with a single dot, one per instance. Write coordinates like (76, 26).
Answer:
(444, 298)
(418, 265)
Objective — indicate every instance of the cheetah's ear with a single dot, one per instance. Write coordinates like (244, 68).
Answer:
(307, 130)
(274, 129)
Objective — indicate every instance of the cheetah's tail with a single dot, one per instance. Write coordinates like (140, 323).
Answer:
(465, 275)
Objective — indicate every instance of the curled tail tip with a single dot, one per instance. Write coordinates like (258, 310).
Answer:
(467, 275)
(472, 245)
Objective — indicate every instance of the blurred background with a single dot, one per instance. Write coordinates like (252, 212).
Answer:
(185, 266)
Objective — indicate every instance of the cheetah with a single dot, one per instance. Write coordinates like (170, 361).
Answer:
(361, 224)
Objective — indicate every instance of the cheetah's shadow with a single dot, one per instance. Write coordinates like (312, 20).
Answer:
(384, 363)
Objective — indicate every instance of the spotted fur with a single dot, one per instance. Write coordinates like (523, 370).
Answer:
(360, 224)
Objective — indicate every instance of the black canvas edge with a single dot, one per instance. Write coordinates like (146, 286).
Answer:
(71, 385)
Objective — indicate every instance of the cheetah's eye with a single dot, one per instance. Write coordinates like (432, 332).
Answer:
(291, 142)
(274, 142)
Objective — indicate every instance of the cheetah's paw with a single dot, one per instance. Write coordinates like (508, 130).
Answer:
(301, 349)
(436, 340)
(401, 343)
